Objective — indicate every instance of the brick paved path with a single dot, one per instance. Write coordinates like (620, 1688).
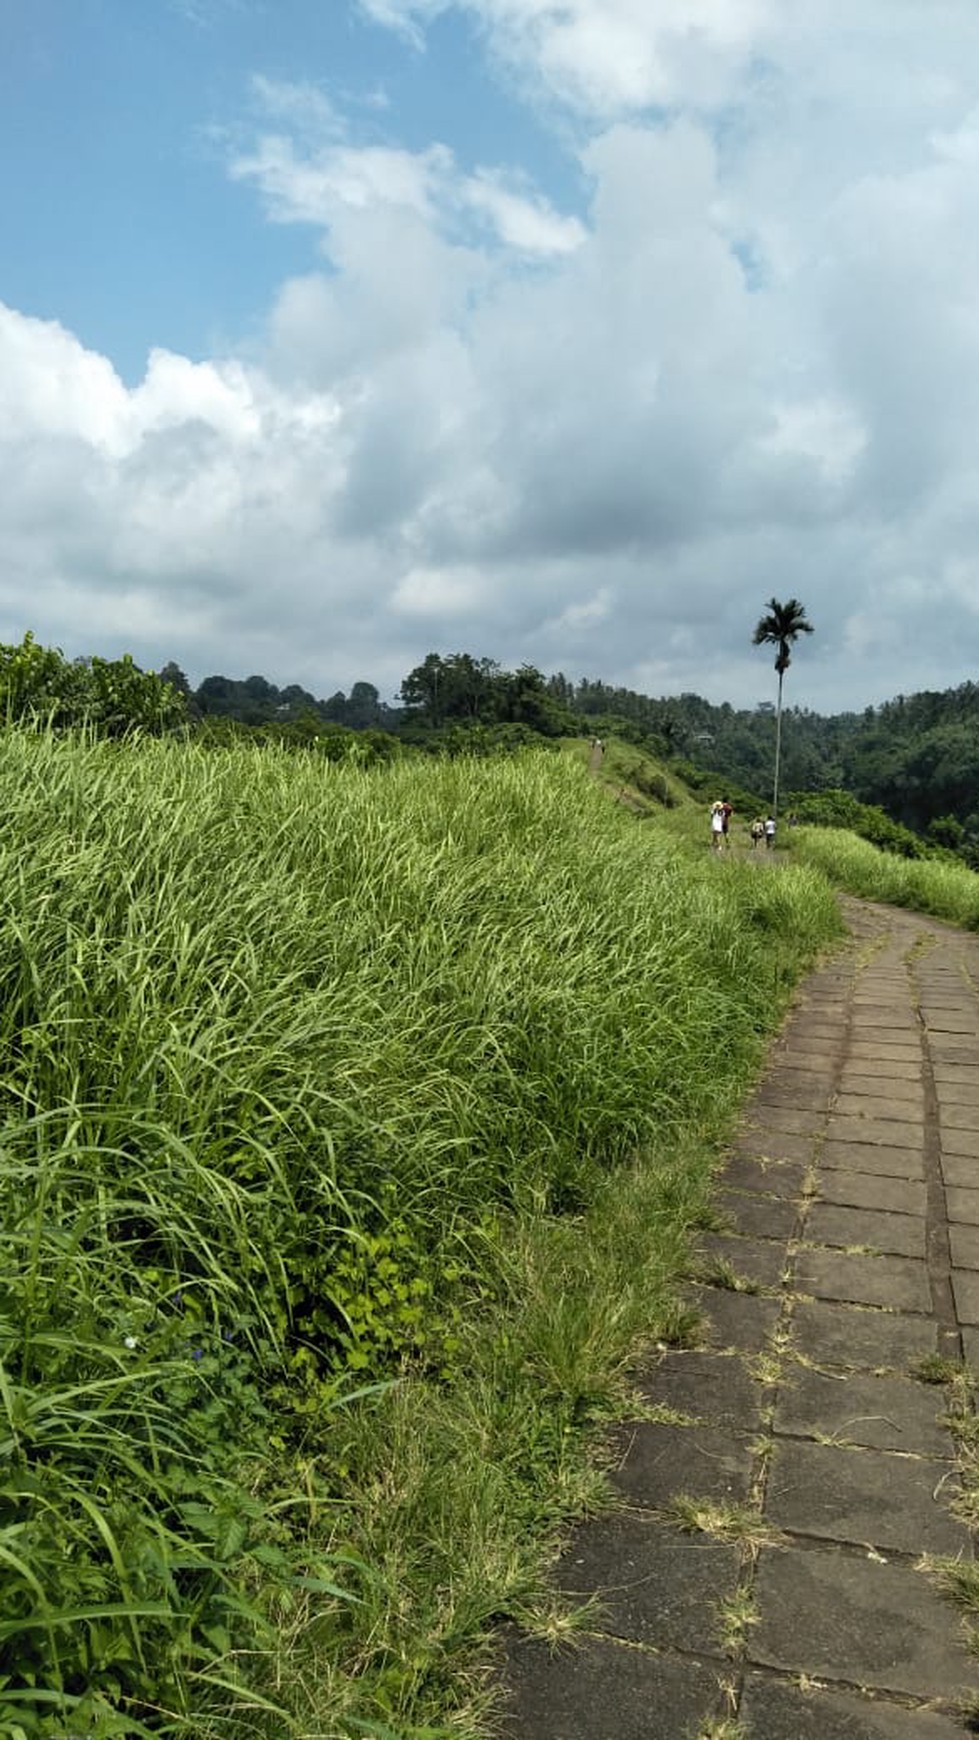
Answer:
(852, 1197)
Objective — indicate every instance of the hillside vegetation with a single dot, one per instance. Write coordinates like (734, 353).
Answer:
(353, 1125)
(944, 889)
(901, 773)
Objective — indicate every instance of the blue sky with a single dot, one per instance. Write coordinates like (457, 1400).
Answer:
(125, 225)
(333, 332)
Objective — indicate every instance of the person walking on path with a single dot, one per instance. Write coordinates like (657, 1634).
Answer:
(717, 826)
(757, 832)
(770, 832)
(727, 811)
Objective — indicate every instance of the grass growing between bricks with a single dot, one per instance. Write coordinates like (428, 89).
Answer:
(738, 1524)
(352, 1125)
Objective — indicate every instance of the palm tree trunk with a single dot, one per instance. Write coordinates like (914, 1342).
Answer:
(778, 746)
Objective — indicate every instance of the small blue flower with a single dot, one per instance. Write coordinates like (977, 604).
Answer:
(198, 1353)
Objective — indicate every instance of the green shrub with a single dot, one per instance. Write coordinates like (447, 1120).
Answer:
(839, 809)
(112, 696)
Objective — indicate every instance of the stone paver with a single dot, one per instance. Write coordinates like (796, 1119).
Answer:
(906, 1069)
(771, 1178)
(883, 1132)
(790, 1119)
(812, 1093)
(965, 1286)
(899, 1235)
(758, 1260)
(897, 1283)
(872, 1190)
(712, 1387)
(878, 1105)
(883, 1413)
(815, 1059)
(948, 1021)
(962, 1206)
(660, 1463)
(601, 1691)
(773, 1145)
(655, 1585)
(775, 1709)
(814, 1040)
(956, 1117)
(964, 1241)
(832, 1616)
(966, 1055)
(898, 1087)
(906, 1053)
(878, 1157)
(851, 1192)
(893, 1503)
(960, 1171)
(743, 1320)
(851, 1336)
(952, 1091)
(965, 1142)
(756, 1216)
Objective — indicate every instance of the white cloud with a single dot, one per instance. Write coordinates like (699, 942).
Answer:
(822, 431)
(303, 106)
(528, 224)
(605, 57)
(75, 394)
(308, 178)
(441, 595)
(312, 187)
(600, 440)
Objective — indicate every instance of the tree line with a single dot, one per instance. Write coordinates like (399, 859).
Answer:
(916, 756)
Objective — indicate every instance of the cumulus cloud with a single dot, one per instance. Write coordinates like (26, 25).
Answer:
(598, 440)
(605, 57)
(313, 176)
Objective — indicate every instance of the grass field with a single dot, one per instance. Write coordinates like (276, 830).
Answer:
(946, 890)
(354, 1124)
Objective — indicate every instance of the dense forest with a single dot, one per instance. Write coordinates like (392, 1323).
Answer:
(916, 757)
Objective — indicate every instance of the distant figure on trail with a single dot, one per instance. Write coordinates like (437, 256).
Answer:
(727, 811)
(598, 745)
(770, 832)
(757, 832)
(717, 826)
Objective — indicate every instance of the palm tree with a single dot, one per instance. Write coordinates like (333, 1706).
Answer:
(781, 628)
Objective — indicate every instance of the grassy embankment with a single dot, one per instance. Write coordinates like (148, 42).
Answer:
(945, 890)
(353, 1128)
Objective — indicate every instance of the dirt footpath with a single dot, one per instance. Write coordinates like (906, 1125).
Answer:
(762, 1579)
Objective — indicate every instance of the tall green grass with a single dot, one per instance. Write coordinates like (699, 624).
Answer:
(313, 1078)
(947, 891)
